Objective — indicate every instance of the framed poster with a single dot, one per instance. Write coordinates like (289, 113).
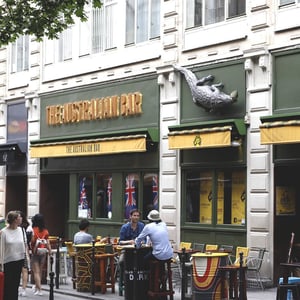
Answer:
(285, 201)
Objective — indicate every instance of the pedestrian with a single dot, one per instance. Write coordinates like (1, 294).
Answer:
(25, 225)
(40, 246)
(158, 234)
(12, 253)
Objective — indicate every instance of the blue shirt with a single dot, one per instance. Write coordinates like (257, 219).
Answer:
(127, 233)
(158, 234)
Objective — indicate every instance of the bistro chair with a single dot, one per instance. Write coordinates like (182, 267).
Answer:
(185, 245)
(254, 263)
(199, 247)
(226, 248)
(210, 247)
(71, 251)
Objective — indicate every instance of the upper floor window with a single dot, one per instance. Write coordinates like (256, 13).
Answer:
(103, 22)
(142, 20)
(285, 2)
(20, 54)
(206, 12)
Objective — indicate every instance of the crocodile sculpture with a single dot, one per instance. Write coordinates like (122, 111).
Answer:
(205, 94)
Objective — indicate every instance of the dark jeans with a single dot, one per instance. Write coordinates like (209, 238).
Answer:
(12, 276)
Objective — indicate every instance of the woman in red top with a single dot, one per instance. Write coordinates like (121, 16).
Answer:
(39, 257)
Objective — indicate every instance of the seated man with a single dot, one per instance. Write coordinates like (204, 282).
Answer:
(82, 236)
(128, 234)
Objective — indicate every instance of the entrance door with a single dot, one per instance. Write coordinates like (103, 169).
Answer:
(54, 199)
(287, 214)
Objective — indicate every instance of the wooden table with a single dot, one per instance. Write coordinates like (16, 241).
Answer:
(286, 270)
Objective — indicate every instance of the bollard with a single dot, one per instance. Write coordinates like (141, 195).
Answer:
(93, 269)
(51, 284)
(241, 278)
(183, 272)
(57, 264)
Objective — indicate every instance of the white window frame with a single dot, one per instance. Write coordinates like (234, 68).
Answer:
(204, 5)
(20, 54)
(142, 24)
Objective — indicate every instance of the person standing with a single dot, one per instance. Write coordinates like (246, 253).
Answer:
(157, 231)
(82, 236)
(27, 229)
(12, 252)
(40, 232)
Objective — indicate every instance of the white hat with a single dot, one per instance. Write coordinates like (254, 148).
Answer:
(153, 215)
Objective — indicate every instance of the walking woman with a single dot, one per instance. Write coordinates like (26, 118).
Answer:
(27, 229)
(12, 250)
(39, 241)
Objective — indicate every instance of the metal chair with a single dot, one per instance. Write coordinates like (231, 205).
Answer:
(199, 247)
(226, 248)
(210, 247)
(254, 263)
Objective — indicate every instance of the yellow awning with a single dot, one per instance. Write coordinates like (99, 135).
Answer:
(200, 138)
(280, 132)
(113, 145)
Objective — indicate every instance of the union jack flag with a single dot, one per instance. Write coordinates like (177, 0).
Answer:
(82, 197)
(109, 195)
(155, 191)
(130, 197)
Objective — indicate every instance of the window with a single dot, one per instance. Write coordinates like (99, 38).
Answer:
(286, 2)
(95, 196)
(20, 54)
(216, 197)
(206, 12)
(148, 193)
(142, 20)
(65, 45)
(16, 122)
(104, 27)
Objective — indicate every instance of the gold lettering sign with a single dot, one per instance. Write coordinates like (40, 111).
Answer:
(111, 107)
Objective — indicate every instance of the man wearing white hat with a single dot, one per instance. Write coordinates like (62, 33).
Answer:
(157, 231)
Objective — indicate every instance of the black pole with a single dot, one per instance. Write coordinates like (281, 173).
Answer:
(57, 262)
(93, 269)
(241, 278)
(182, 257)
(51, 274)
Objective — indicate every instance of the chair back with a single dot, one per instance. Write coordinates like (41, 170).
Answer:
(70, 248)
(199, 247)
(226, 248)
(185, 245)
(210, 247)
(245, 251)
(255, 258)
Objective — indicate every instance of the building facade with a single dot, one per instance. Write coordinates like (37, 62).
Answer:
(112, 112)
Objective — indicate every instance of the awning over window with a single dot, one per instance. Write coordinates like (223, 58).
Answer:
(280, 132)
(9, 153)
(207, 134)
(280, 129)
(93, 146)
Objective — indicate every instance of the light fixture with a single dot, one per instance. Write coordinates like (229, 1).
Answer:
(236, 143)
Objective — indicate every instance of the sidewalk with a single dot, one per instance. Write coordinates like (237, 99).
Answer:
(67, 290)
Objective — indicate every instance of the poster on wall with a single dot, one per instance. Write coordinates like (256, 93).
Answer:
(285, 201)
(238, 198)
(220, 211)
(205, 198)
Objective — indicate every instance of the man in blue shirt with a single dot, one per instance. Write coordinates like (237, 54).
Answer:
(130, 231)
